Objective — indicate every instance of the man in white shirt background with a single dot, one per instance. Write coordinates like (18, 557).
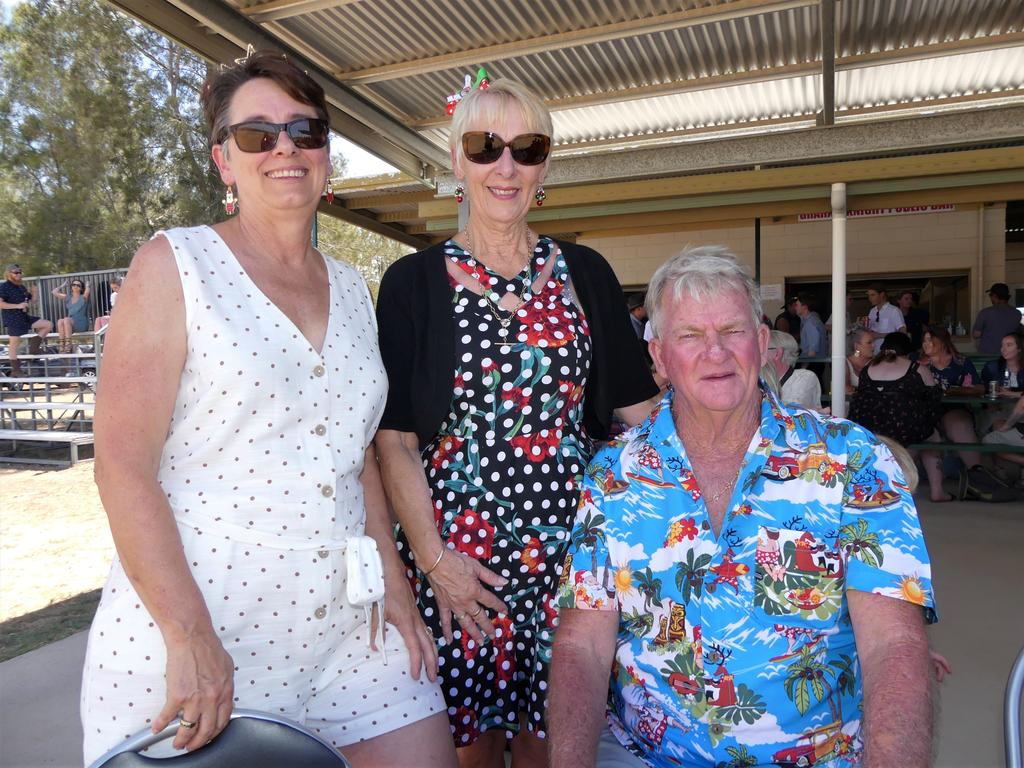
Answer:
(883, 318)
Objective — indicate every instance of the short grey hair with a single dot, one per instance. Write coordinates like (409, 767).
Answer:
(785, 342)
(704, 271)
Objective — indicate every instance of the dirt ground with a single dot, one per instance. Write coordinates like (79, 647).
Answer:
(54, 540)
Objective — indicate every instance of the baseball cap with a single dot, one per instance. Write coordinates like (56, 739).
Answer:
(1002, 290)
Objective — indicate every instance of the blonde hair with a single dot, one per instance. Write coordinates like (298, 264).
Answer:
(491, 106)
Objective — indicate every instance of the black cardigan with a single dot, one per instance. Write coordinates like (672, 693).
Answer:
(417, 342)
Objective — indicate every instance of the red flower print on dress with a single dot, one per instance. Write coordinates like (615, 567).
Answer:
(544, 326)
(489, 367)
(470, 648)
(445, 448)
(515, 395)
(538, 446)
(464, 727)
(533, 554)
(472, 535)
(550, 611)
(504, 644)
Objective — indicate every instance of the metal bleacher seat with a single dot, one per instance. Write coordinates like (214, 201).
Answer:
(251, 739)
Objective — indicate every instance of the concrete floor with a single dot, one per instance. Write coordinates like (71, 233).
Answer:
(976, 552)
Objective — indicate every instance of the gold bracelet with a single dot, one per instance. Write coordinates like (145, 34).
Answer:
(436, 562)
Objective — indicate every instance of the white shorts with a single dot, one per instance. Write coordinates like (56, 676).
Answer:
(300, 650)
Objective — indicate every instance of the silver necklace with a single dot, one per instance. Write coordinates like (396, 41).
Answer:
(727, 486)
(501, 315)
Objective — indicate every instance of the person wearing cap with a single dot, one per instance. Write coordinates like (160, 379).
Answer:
(995, 322)
(14, 300)
(637, 313)
(788, 321)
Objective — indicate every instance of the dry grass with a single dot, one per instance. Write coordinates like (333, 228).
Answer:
(54, 548)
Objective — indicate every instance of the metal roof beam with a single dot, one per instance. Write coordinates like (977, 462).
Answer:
(285, 9)
(844, 141)
(406, 149)
(372, 224)
(725, 11)
(827, 11)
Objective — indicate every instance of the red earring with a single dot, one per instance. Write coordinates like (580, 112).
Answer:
(460, 193)
(330, 191)
(540, 196)
(230, 204)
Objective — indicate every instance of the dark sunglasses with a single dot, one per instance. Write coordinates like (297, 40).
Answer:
(77, 285)
(16, 272)
(258, 136)
(484, 147)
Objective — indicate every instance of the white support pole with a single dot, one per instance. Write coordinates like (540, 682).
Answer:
(839, 299)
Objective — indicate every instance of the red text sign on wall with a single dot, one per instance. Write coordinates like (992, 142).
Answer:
(867, 212)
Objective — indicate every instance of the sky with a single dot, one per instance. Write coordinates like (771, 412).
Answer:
(360, 162)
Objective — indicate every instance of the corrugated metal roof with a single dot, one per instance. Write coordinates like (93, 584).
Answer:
(622, 72)
(674, 54)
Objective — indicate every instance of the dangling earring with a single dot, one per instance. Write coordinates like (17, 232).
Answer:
(230, 204)
(330, 191)
(540, 196)
(460, 193)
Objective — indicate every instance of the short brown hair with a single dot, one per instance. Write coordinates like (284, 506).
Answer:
(220, 88)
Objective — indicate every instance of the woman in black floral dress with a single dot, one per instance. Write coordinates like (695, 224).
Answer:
(898, 398)
(506, 355)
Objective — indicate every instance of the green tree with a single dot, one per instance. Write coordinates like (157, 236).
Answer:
(99, 129)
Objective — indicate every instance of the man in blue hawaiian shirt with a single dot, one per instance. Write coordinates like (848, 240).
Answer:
(754, 575)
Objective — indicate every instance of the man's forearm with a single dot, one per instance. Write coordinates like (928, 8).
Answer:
(578, 691)
(898, 708)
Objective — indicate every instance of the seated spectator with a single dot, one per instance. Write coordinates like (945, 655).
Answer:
(863, 351)
(76, 304)
(996, 321)
(15, 299)
(793, 385)
(1009, 431)
(1006, 371)
(954, 371)
(102, 320)
(900, 400)
(706, 574)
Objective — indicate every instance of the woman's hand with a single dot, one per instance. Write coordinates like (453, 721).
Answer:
(400, 611)
(200, 686)
(459, 584)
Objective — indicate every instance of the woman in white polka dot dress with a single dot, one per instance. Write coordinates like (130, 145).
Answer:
(234, 459)
(506, 354)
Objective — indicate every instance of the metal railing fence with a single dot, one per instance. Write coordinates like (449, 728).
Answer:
(50, 307)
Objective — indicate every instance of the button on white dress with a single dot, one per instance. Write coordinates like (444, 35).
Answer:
(261, 469)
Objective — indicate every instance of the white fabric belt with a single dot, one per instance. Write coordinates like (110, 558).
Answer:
(365, 569)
